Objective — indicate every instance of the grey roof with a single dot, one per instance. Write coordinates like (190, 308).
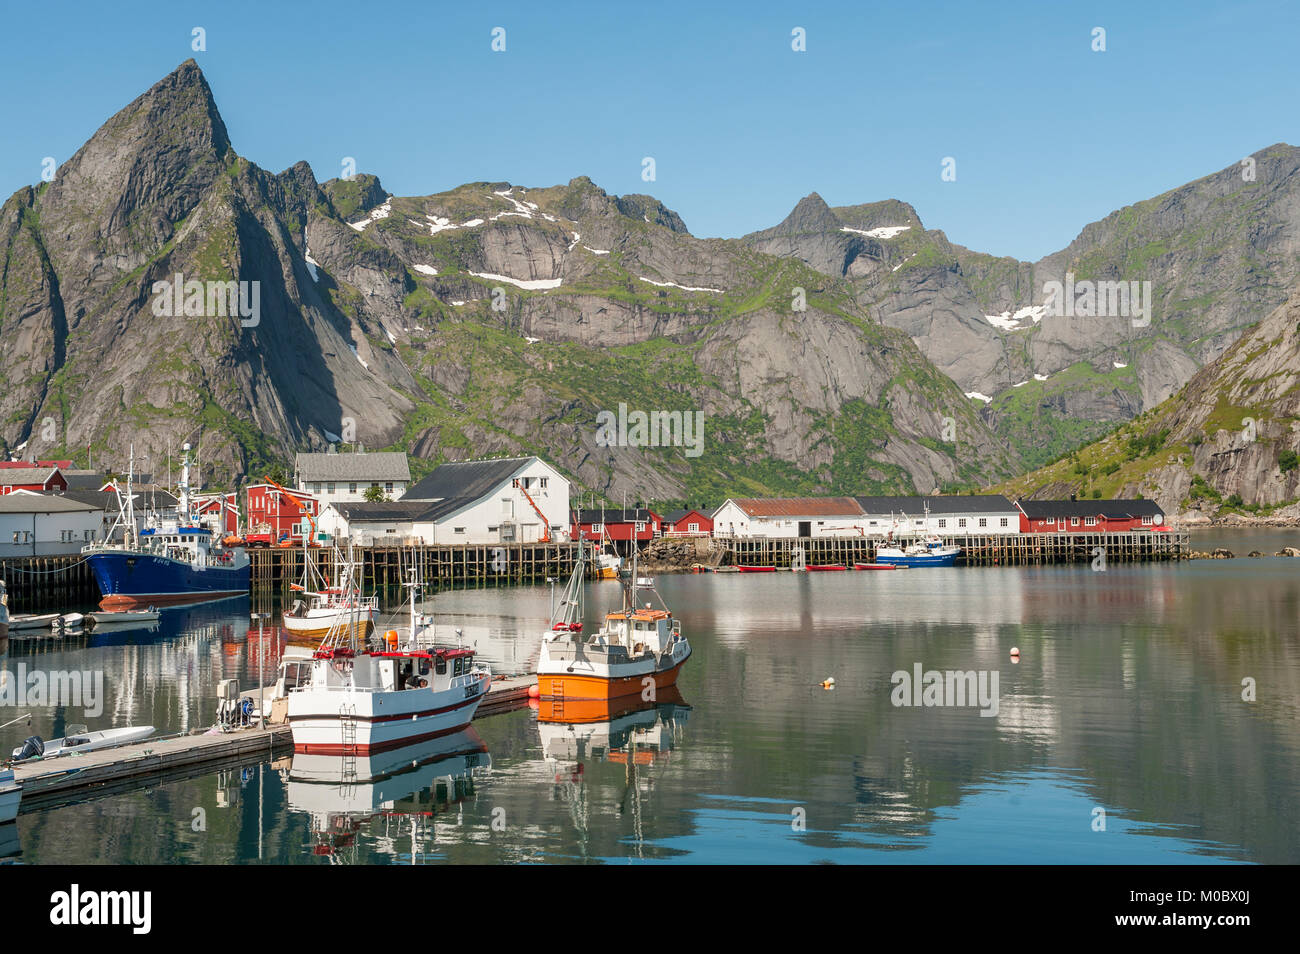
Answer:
(100, 499)
(465, 478)
(84, 479)
(1111, 509)
(956, 503)
(27, 475)
(380, 465)
(42, 503)
(422, 511)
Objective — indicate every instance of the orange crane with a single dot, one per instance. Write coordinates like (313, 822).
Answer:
(303, 509)
(546, 524)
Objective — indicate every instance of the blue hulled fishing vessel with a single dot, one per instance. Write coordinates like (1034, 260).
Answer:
(174, 560)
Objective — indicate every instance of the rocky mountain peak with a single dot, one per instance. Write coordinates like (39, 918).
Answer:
(146, 168)
(583, 198)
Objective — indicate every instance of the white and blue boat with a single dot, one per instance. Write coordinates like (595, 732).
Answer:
(170, 561)
(929, 552)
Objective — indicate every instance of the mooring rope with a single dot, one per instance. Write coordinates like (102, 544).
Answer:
(18, 569)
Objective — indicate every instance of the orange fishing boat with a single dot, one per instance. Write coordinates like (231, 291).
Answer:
(637, 650)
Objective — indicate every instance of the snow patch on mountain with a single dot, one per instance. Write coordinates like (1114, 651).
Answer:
(682, 287)
(884, 232)
(532, 284)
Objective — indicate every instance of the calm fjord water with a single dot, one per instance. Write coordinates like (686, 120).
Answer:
(1127, 700)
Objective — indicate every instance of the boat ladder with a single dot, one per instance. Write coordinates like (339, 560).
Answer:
(348, 728)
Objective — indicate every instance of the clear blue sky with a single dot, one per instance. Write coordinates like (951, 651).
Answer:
(1047, 134)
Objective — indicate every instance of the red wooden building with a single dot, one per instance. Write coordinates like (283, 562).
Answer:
(224, 506)
(688, 523)
(41, 476)
(1089, 516)
(619, 525)
(270, 512)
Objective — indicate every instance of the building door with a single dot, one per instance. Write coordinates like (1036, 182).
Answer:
(805, 528)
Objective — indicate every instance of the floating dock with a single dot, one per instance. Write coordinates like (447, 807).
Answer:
(108, 771)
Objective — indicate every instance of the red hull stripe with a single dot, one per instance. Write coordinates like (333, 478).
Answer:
(159, 599)
(337, 749)
(394, 718)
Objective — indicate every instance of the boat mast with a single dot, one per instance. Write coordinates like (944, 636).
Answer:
(131, 537)
(184, 485)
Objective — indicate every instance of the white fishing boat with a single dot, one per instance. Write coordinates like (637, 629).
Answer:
(11, 793)
(104, 617)
(360, 701)
(79, 739)
(638, 650)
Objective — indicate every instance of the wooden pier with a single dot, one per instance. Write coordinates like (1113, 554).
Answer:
(1025, 549)
(40, 581)
(386, 568)
(108, 771)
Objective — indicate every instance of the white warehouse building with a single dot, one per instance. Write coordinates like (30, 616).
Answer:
(506, 500)
(33, 524)
(788, 517)
(947, 516)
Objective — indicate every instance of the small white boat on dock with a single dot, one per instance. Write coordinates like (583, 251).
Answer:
(79, 739)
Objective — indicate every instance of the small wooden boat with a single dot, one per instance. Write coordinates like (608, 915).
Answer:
(80, 740)
(825, 567)
(726, 569)
(103, 617)
(756, 569)
(877, 566)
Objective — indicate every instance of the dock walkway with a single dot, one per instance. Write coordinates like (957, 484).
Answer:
(53, 781)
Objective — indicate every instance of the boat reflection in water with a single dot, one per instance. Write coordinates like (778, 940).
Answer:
(633, 733)
(402, 789)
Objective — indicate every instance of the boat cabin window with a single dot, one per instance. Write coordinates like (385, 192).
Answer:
(440, 667)
(458, 667)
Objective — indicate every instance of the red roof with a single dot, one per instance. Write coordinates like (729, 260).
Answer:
(799, 506)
